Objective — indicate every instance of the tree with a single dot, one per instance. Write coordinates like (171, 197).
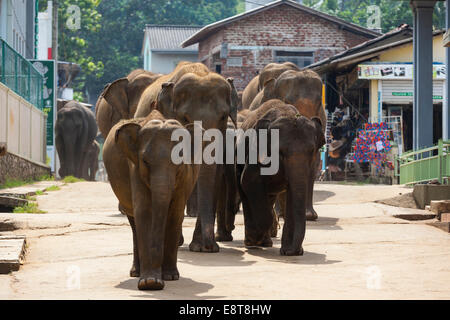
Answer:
(119, 41)
(393, 13)
(75, 24)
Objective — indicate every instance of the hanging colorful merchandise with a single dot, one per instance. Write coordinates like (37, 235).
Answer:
(372, 145)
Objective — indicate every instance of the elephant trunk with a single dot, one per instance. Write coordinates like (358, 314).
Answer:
(162, 186)
(206, 193)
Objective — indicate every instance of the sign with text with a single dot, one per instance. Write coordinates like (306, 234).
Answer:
(395, 71)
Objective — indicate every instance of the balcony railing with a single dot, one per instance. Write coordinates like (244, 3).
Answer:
(19, 74)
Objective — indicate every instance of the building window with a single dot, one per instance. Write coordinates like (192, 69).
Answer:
(218, 68)
(300, 58)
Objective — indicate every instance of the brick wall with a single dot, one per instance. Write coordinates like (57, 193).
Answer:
(273, 29)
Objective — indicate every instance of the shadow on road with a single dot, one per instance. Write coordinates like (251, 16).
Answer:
(273, 254)
(323, 223)
(184, 288)
(322, 195)
(226, 257)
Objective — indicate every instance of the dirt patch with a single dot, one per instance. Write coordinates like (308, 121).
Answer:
(403, 201)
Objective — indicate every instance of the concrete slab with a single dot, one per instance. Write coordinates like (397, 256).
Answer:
(12, 252)
(424, 193)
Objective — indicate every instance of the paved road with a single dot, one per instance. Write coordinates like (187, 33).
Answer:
(356, 250)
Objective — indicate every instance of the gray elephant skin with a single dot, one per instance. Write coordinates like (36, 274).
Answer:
(299, 141)
(152, 192)
(75, 131)
(193, 93)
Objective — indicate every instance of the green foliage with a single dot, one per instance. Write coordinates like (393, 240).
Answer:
(393, 13)
(30, 207)
(71, 179)
(53, 188)
(118, 43)
(39, 192)
(14, 183)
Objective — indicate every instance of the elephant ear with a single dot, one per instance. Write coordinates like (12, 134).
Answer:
(116, 95)
(234, 101)
(126, 138)
(269, 90)
(165, 99)
(319, 128)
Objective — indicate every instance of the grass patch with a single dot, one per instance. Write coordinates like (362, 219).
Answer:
(53, 188)
(14, 183)
(39, 192)
(31, 207)
(72, 179)
(31, 198)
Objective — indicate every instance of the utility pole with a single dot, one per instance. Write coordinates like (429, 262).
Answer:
(55, 31)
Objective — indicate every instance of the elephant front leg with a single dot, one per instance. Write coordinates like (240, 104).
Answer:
(222, 233)
(173, 233)
(150, 231)
(192, 204)
(134, 271)
(203, 238)
(294, 222)
(311, 214)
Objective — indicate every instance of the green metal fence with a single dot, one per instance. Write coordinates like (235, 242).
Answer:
(19, 74)
(425, 165)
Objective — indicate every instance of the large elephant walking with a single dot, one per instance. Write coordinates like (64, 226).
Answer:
(152, 192)
(299, 141)
(193, 93)
(75, 131)
(302, 89)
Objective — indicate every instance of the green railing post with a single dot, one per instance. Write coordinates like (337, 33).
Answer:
(440, 158)
(3, 61)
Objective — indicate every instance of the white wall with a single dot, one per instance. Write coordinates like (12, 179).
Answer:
(13, 24)
(165, 62)
(22, 126)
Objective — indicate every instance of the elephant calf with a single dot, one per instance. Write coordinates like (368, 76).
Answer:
(152, 192)
(299, 141)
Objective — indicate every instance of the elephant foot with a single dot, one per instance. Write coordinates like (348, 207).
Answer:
(170, 275)
(266, 243)
(181, 241)
(150, 283)
(191, 214)
(198, 246)
(291, 252)
(134, 272)
(223, 236)
(311, 214)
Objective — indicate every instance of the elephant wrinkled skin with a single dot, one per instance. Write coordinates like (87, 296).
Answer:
(152, 192)
(299, 141)
(75, 130)
(193, 93)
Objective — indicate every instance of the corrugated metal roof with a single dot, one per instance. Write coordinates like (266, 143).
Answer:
(170, 37)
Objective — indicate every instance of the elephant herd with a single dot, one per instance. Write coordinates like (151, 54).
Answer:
(138, 115)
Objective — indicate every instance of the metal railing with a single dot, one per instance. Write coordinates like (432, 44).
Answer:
(425, 165)
(18, 74)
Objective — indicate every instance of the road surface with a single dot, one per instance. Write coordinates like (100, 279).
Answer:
(82, 249)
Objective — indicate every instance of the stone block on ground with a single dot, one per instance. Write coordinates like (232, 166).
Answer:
(445, 217)
(11, 202)
(424, 193)
(12, 253)
(440, 207)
